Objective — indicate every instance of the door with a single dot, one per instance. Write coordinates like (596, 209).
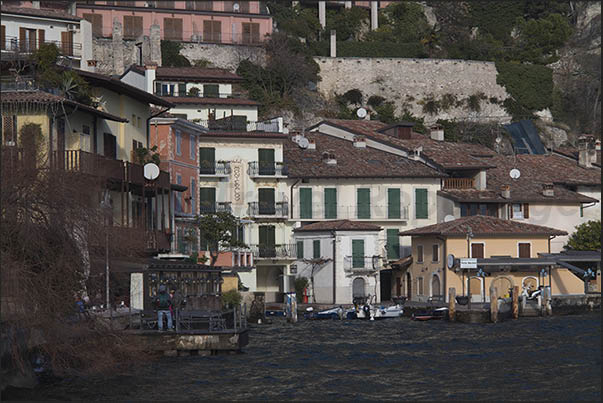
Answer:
(475, 289)
(67, 43)
(266, 161)
(386, 285)
(398, 286)
(207, 203)
(109, 145)
(267, 246)
(435, 286)
(267, 204)
(358, 288)
(408, 286)
(207, 160)
(357, 253)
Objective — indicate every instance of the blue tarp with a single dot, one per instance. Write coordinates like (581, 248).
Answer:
(525, 137)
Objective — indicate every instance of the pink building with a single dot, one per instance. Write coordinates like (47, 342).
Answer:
(240, 22)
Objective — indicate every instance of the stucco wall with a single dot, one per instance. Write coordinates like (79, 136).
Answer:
(223, 56)
(409, 81)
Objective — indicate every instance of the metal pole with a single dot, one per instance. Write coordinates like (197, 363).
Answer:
(107, 276)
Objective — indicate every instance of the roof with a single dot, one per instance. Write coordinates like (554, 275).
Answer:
(525, 137)
(189, 74)
(352, 162)
(45, 98)
(36, 12)
(210, 101)
(339, 225)
(241, 134)
(443, 154)
(120, 87)
(483, 225)
(572, 152)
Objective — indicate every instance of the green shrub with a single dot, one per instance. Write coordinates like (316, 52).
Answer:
(431, 106)
(353, 96)
(231, 298)
(473, 103)
(375, 101)
(448, 101)
(170, 55)
(586, 237)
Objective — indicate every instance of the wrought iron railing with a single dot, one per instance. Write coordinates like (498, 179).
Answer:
(362, 263)
(217, 168)
(18, 46)
(267, 168)
(284, 251)
(213, 207)
(261, 209)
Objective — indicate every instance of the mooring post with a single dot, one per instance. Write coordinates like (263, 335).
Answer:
(515, 298)
(452, 304)
(547, 309)
(493, 305)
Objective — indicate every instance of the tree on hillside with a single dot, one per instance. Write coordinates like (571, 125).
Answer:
(586, 237)
(219, 230)
(170, 55)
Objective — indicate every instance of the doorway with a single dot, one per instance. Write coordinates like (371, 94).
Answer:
(408, 286)
(386, 285)
(358, 288)
(435, 285)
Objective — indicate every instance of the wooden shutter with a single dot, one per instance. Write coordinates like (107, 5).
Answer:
(357, 253)
(393, 203)
(477, 250)
(421, 203)
(212, 31)
(255, 33)
(67, 43)
(316, 249)
(305, 203)
(525, 250)
(267, 238)
(331, 203)
(363, 201)
(246, 32)
(97, 23)
(22, 38)
(266, 161)
(267, 204)
(207, 200)
(244, 7)
(41, 37)
(207, 157)
(300, 249)
(168, 28)
(393, 244)
(132, 26)
(526, 210)
(3, 37)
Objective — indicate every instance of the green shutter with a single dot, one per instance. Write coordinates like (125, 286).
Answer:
(357, 253)
(211, 91)
(267, 238)
(207, 203)
(267, 202)
(421, 203)
(266, 161)
(393, 244)
(364, 203)
(207, 160)
(316, 249)
(393, 203)
(181, 90)
(331, 203)
(300, 249)
(305, 203)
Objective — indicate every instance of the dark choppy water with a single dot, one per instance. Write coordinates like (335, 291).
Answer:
(556, 358)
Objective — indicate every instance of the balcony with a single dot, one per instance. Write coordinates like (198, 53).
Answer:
(268, 210)
(212, 208)
(286, 251)
(263, 169)
(458, 183)
(214, 169)
(14, 48)
(376, 213)
(354, 264)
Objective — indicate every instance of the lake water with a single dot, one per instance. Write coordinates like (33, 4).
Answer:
(555, 358)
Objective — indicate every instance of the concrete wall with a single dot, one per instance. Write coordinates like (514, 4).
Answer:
(409, 81)
(223, 56)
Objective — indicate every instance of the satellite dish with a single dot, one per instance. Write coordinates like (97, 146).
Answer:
(498, 140)
(449, 218)
(361, 113)
(235, 7)
(514, 173)
(450, 261)
(151, 171)
(303, 143)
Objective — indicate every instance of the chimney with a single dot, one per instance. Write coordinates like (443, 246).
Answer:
(548, 190)
(322, 13)
(374, 15)
(329, 158)
(436, 132)
(417, 153)
(587, 154)
(359, 142)
(149, 77)
(311, 144)
(333, 43)
(505, 191)
(598, 145)
(35, 4)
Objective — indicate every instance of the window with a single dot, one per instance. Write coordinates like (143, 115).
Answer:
(393, 244)
(211, 91)
(133, 120)
(421, 210)
(266, 161)
(300, 249)
(212, 31)
(67, 43)
(316, 249)
(477, 250)
(526, 210)
(199, 5)
(85, 129)
(132, 26)
(266, 201)
(96, 20)
(357, 253)
(135, 146)
(516, 212)
(207, 200)
(178, 206)
(207, 160)
(419, 253)
(178, 142)
(193, 147)
(305, 203)
(331, 203)
(165, 89)
(524, 250)
(3, 37)
(193, 192)
(182, 89)
(109, 145)
(138, 122)
(251, 32)
(267, 240)
(172, 29)
(420, 290)
(27, 39)
(393, 203)
(435, 253)
(363, 203)
(469, 209)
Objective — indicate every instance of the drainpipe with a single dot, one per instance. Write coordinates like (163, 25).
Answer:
(444, 267)
(550, 239)
(291, 196)
(334, 267)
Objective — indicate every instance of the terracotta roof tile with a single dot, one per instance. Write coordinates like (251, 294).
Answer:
(483, 225)
(36, 12)
(339, 225)
(352, 162)
(210, 101)
(572, 152)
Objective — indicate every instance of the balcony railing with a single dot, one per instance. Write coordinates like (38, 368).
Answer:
(378, 212)
(207, 94)
(286, 251)
(263, 209)
(263, 169)
(362, 263)
(211, 208)
(210, 168)
(459, 183)
(238, 126)
(19, 47)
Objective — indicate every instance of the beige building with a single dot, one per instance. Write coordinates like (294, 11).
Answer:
(509, 253)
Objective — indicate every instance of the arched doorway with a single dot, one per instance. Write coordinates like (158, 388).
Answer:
(475, 289)
(408, 286)
(435, 285)
(503, 286)
(358, 288)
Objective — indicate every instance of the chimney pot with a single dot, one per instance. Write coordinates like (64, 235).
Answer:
(359, 142)
(506, 191)
(437, 133)
(548, 190)
(311, 144)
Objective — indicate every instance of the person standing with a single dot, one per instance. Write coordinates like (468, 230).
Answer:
(163, 303)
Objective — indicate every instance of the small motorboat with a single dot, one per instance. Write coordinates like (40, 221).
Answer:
(434, 314)
(387, 312)
(334, 313)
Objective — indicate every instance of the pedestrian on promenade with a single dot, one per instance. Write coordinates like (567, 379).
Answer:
(163, 304)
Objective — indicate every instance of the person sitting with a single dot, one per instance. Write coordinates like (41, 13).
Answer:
(163, 303)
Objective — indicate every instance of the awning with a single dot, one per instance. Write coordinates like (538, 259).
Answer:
(402, 263)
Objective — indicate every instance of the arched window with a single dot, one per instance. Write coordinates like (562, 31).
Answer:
(358, 288)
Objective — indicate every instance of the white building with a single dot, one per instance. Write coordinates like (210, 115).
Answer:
(23, 30)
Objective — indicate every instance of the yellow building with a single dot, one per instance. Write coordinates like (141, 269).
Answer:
(508, 253)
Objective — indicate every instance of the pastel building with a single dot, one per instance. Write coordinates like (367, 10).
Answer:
(232, 22)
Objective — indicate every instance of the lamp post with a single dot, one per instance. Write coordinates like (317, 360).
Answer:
(106, 207)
